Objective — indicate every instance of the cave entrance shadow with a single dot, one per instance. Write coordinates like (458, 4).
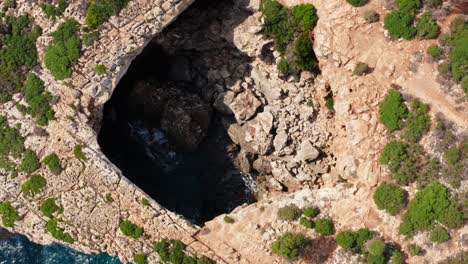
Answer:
(199, 182)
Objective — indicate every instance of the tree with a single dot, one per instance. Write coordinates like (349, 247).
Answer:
(390, 198)
(393, 110)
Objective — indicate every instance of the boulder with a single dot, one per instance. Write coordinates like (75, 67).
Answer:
(257, 137)
(245, 106)
(223, 101)
(307, 152)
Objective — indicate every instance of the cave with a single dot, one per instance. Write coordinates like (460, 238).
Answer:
(160, 127)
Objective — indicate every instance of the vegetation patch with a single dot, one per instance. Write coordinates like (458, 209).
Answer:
(433, 203)
(9, 214)
(311, 211)
(54, 10)
(306, 222)
(418, 121)
(30, 162)
(399, 24)
(289, 28)
(49, 207)
(435, 51)
(390, 198)
(64, 51)
(99, 11)
(79, 154)
(11, 146)
(228, 219)
(18, 53)
(289, 212)
(139, 259)
(439, 235)
(90, 37)
(34, 185)
(357, 3)
(38, 100)
(371, 16)
(393, 110)
(130, 229)
(58, 232)
(355, 241)
(360, 69)
(325, 226)
(427, 27)
(53, 163)
(290, 245)
(173, 251)
(101, 69)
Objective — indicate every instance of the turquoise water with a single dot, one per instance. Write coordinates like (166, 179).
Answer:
(19, 250)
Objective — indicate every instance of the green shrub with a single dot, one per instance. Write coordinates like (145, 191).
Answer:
(11, 141)
(8, 4)
(305, 56)
(30, 162)
(18, 54)
(393, 110)
(397, 258)
(399, 24)
(90, 37)
(101, 69)
(465, 84)
(64, 51)
(453, 155)
(78, 152)
(289, 212)
(311, 211)
(346, 239)
(362, 236)
(33, 185)
(375, 259)
(172, 251)
(375, 247)
(306, 14)
(228, 219)
(324, 227)
(418, 122)
(131, 230)
(52, 10)
(145, 202)
(58, 232)
(444, 69)
(139, 258)
(414, 250)
(427, 27)
(360, 69)
(394, 153)
(439, 235)
(9, 214)
(435, 51)
(284, 67)
(99, 11)
(433, 203)
(277, 24)
(390, 198)
(330, 103)
(357, 3)
(290, 245)
(371, 16)
(408, 5)
(38, 100)
(306, 222)
(53, 163)
(49, 207)
(459, 53)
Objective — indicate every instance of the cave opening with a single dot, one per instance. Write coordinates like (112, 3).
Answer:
(160, 127)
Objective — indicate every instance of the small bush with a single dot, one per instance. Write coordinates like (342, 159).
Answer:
(435, 51)
(346, 239)
(453, 155)
(390, 198)
(101, 69)
(439, 235)
(145, 202)
(418, 122)
(360, 69)
(393, 110)
(375, 247)
(408, 5)
(394, 153)
(64, 51)
(131, 230)
(430, 204)
(8, 4)
(30, 162)
(305, 56)
(375, 259)
(11, 141)
(306, 14)
(228, 219)
(289, 212)
(53, 11)
(172, 251)
(58, 232)
(49, 207)
(324, 227)
(399, 24)
(427, 27)
(38, 100)
(371, 16)
(458, 40)
(330, 103)
(99, 11)
(78, 152)
(289, 245)
(34, 185)
(311, 211)
(52, 162)
(304, 221)
(414, 250)
(397, 258)
(357, 3)
(444, 69)
(139, 259)
(9, 214)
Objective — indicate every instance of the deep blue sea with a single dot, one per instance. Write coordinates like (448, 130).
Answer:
(19, 250)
